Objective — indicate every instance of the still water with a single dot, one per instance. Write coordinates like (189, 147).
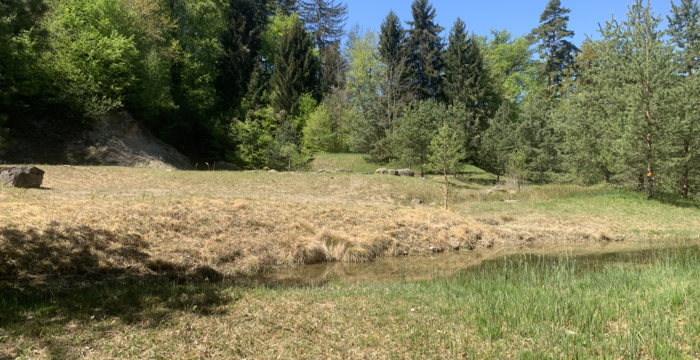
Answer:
(417, 268)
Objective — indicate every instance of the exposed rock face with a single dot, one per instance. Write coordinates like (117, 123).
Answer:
(27, 177)
(406, 172)
(115, 139)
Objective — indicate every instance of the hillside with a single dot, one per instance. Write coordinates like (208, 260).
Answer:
(116, 139)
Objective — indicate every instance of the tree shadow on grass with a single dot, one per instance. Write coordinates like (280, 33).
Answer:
(81, 275)
(676, 200)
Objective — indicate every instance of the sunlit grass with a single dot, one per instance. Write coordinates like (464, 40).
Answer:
(641, 306)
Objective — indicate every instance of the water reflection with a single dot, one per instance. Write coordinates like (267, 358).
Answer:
(417, 268)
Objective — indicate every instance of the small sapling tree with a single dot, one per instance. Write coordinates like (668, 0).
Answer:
(445, 154)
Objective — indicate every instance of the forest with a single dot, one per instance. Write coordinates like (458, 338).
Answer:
(269, 84)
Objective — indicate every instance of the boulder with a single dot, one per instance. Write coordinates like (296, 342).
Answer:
(392, 172)
(406, 172)
(22, 176)
(381, 171)
(273, 171)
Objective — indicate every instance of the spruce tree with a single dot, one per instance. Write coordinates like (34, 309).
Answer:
(395, 90)
(466, 79)
(333, 68)
(498, 141)
(424, 51)
(554, 48)
(538, 139)
(325, 19)
(684, 30)
(241, 42)
(296, 69)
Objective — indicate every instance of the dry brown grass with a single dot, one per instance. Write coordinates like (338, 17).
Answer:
(92, 221)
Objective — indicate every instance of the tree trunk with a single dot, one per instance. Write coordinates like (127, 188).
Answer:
(447, 188)
(650, 174)
(686, 170)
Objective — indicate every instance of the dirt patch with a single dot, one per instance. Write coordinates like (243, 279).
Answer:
(115, 139)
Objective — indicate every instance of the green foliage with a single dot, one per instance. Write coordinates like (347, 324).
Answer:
(284, 152)
(320, 135)
(637, 74)
(296, 70)
(242, 43)
(94, 57)
(279, 24)
(554, 49)
(510, 62)
(445, 151)
(684, 152)
(538, 138)
(425, 51)
(18, 42)
(415, 131)
(325, 20)
(466, 80)
(305, 107)
(498, 141)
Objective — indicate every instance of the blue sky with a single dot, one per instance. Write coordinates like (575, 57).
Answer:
(519, 17)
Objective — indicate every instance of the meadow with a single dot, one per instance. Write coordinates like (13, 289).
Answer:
(108, 262)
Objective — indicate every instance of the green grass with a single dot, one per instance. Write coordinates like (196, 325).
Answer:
(634, 306)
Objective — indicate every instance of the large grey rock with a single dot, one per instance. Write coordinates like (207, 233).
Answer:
(392, 172)
(381, 171)
(406, 172)
(22, 176)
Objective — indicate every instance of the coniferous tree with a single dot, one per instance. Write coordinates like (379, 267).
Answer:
(395, 91)
(538, 139)
(415, 131)
(333, 68)
(554, 48)
(466, 79)
(241, 42)
(639, 82)
(424, 48)
(287, 6)
(325, 19)
(498, 141)
(296, 70)
(684, 30)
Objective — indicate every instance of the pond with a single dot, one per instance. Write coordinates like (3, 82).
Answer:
(418, 268)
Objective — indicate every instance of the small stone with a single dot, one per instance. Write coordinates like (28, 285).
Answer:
(417, 201)
(421, 178)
